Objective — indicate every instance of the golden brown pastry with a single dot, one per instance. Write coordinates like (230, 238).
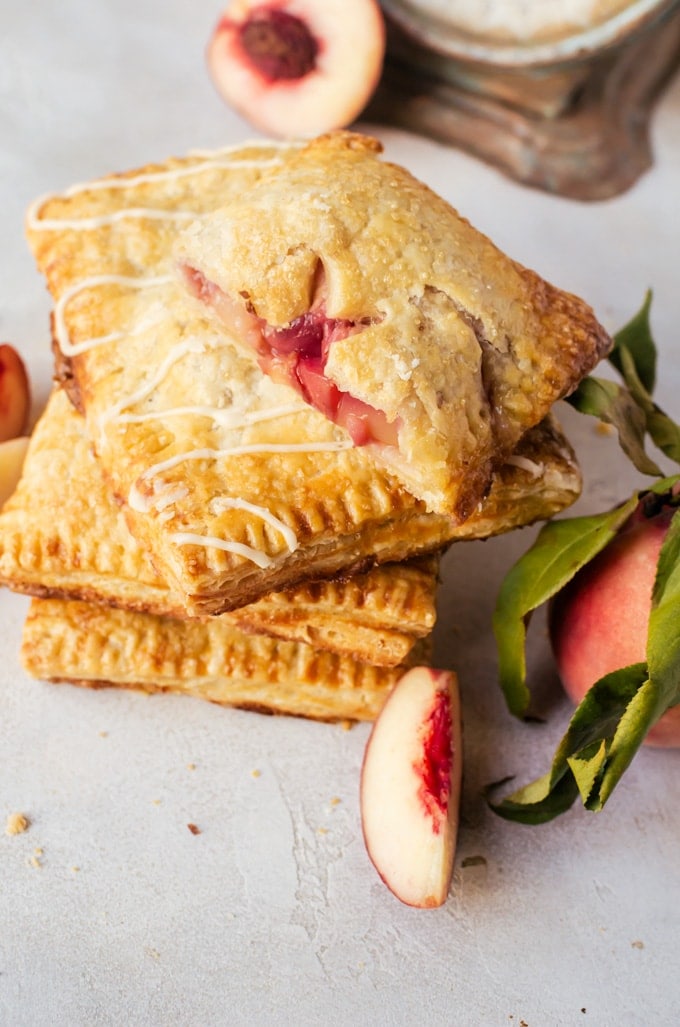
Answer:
(61, 535)
(95, 645)
(230, 482)
(376, 302)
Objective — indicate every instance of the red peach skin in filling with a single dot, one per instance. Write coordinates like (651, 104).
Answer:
(296, 355)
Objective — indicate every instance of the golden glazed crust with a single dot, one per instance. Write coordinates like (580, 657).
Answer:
(465, 346)
(94, 645)
(61, 535)
(233, 486)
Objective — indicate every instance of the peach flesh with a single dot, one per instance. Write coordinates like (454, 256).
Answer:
(410, 787)
(599, 622)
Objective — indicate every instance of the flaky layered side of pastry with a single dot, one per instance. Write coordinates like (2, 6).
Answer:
(381, 306)
(231, 483)
(61, 535)
(94, 645)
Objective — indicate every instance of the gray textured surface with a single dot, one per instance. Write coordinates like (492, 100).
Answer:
(272, 914)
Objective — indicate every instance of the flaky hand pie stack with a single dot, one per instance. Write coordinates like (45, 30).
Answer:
(191, 523)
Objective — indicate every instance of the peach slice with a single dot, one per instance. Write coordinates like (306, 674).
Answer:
(296, 67)
(410, 787)
(15, 395)
(12, 453)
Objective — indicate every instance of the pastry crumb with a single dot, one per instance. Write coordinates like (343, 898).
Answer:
(194, 829)
(473, 861)
(17, 823)
(637, 944)
(256, 773)
(75, 870)
(322, 830)
(35, 862)
(601, 428)
(191, 766)
(103, 734)
(335, 801)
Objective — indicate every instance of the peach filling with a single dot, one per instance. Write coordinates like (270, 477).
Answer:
(297, 355)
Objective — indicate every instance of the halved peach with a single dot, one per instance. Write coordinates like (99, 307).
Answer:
(298, 67)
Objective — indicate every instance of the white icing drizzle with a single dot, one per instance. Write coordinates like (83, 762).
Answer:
(251, 144)
(334, 446)
(188, 538)
(168, 495)
(222, 503)
(536, 470)
(70, 349)
(207, 161)
(99, 221)
(165, 494)
(226, 417)
(192, 345)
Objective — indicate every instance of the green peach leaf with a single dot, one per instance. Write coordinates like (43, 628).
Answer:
(664, 433)
(560, 550)
(630, 408)
(588, 767)
(603, 735)
(663, 639)
(539, 802)
(661, 428)
(642, 712)
(615, 405)
(636, 337)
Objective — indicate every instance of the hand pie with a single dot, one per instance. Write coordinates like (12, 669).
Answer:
(230, 482)
(95, 645)
(380, 306)
(61, 535)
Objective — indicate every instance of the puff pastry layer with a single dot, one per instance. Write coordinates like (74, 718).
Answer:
(382, 307)
(94, 645)
(231, 483)
(61, 535)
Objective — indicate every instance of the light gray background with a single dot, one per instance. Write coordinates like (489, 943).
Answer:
(273, 914)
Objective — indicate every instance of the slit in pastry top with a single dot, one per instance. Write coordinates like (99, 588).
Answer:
(383, 308)
(297, 354)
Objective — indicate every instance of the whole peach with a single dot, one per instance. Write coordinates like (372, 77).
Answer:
(599, 621)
